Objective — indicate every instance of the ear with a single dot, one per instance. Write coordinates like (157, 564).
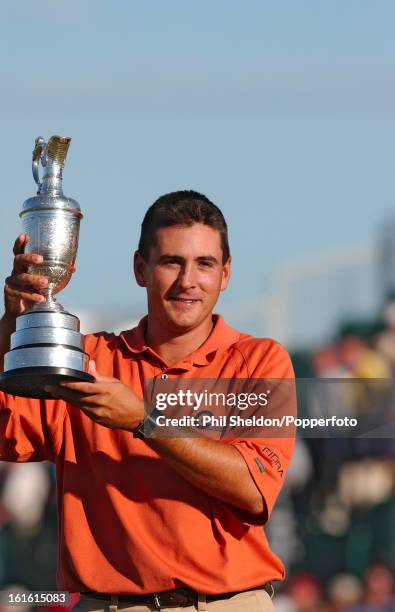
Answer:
(226, 273)
(139, 266)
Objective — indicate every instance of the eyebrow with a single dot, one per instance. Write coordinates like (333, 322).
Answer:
(179, 259)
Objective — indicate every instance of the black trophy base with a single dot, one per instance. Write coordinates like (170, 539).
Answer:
(30, 382)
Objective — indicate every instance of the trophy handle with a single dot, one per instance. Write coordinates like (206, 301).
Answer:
(39, 147)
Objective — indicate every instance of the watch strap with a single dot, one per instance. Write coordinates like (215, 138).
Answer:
(147, 425)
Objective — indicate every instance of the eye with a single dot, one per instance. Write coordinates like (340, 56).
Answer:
(170, 263)
(206, 263)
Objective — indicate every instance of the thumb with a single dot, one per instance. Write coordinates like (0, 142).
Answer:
(93, 371)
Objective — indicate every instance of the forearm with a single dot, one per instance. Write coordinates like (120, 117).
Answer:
(7, 327)
(215, 467)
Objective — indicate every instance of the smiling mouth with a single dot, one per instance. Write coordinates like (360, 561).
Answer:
(184, 300)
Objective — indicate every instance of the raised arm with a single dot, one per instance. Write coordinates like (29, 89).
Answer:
(25, 423)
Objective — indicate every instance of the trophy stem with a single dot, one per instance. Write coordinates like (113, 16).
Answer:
(50, 305)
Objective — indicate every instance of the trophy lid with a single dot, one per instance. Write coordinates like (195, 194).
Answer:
(51, 156)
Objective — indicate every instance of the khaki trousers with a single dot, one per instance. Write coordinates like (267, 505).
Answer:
(249, 601)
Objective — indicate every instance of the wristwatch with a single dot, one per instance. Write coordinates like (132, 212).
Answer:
(147, 425)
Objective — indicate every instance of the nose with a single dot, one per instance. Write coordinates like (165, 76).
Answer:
(187, 277)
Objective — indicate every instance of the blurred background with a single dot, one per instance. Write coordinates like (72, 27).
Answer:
(283, 115)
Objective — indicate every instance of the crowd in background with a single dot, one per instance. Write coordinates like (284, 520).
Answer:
(334, 522)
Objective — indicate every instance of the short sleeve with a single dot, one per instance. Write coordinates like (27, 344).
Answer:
(30, 429)
(268, 458)
(267, 461)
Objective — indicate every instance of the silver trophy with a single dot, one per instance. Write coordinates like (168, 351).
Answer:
(47, 345)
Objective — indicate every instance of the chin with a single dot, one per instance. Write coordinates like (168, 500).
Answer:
(184, 322)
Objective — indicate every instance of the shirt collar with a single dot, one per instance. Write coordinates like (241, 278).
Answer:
(221, 335)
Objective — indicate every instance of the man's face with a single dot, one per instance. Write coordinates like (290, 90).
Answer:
(184, 275)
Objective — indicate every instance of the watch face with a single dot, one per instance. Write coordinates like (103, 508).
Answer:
(147, 426)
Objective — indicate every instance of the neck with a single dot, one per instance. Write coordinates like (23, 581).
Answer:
(173, 346)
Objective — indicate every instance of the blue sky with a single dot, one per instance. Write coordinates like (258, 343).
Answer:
(282, 113)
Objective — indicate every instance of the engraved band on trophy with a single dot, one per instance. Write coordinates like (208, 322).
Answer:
(47, 345)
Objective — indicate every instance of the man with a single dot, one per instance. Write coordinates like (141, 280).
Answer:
(160, 522)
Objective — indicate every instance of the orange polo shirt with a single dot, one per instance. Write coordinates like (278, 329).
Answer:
(128, 522)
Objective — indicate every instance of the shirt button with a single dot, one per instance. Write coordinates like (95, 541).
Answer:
(164, 376)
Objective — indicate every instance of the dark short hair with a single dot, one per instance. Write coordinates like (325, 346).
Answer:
(182, 208)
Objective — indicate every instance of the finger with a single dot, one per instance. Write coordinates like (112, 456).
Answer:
(27, 281)
(73, 397)
(20, 243)
(99, 377)
(92, 368)
(88, 388)
(23, 295)
(22, 261)
(100, 384)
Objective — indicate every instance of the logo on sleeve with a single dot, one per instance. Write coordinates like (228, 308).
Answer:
(275, 460)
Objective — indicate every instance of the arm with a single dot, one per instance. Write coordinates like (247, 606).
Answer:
(215, 467)
(7, 327)
(25, 423)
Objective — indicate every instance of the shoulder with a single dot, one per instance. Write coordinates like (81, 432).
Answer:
(108, 352)
(264, 357)
(101, 342)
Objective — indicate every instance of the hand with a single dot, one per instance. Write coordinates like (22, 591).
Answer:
(106, 401)
(23, 290)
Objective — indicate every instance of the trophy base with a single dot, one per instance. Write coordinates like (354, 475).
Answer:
(30, 381)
